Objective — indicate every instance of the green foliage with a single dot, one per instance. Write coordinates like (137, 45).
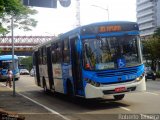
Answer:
(19, 12)
(27, 61)
(13, 7)
(152, 50)
(3, 30)
(1, 6)
(157, 33)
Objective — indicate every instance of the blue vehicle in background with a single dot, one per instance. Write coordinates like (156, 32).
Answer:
(5, 64)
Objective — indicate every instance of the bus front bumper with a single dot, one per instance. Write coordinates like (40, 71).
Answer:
(99, 92)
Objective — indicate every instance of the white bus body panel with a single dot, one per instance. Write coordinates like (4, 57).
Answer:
(44, 73)
(97, 92)
(58, 81)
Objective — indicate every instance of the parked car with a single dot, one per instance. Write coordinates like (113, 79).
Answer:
(32, 72)
(24, 72)
(150, 74)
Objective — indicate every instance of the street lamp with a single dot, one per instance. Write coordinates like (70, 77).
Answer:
(106, 9)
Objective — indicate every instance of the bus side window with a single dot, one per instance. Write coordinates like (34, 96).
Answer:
(66, 51)
(40, 56)
(59, 52)
(56, 53)
(44, 55)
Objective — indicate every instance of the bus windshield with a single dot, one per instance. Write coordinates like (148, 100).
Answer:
(111, 52)
(8, 64)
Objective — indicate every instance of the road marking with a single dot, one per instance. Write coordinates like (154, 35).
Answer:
(124, 108)
(47, 108)
(36, 113)
(152, 93)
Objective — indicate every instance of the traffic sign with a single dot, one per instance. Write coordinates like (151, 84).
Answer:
(41, 3)
(46, 3)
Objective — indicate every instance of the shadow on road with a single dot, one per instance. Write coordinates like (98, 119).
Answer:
(87, 104)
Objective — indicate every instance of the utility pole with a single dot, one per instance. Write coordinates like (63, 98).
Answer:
(78, 19)
(12, 29)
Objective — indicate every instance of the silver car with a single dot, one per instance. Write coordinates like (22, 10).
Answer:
(24, 72)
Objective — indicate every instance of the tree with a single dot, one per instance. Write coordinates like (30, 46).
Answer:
(1, 6)
(20, 13)
(157, 33)
(152, 50)
(27, 61)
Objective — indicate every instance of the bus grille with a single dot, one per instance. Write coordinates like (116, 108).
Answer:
(117, 73)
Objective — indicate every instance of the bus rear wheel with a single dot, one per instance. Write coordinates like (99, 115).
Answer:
(119, 97)
(45, 86)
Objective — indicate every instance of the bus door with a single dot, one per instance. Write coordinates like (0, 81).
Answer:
(49, 67)
(57, 67)
(76, 64)
(36, 56)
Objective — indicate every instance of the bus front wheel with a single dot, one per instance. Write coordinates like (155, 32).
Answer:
(119, 97)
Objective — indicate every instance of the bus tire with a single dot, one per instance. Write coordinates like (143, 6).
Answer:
(119, 97)
(44, 85)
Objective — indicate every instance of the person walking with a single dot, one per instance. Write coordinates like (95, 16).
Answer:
(9, 77)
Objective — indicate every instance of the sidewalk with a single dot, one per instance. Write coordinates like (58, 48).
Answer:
(158, 79)
(20, 108)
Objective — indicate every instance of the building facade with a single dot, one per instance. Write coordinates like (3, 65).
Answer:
(148, 16)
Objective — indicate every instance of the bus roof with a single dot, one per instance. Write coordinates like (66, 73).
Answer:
(111, 23)
(8, 57)
(92, 28)
(127, 25)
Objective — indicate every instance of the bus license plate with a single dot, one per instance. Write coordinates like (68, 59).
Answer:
(120, 89)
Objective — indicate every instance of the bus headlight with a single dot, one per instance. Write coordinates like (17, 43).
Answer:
(140, 78)
(96, 84)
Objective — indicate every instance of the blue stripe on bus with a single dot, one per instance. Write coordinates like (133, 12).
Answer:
(106, 76)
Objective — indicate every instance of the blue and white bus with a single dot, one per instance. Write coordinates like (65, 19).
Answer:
(5, 64)
(92, 61)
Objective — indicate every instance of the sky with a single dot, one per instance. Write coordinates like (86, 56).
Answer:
(53, 21)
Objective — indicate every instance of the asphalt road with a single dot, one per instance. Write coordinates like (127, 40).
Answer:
(136, 104)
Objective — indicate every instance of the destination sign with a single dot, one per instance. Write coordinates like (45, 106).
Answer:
(112, 28)
(109, 27)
